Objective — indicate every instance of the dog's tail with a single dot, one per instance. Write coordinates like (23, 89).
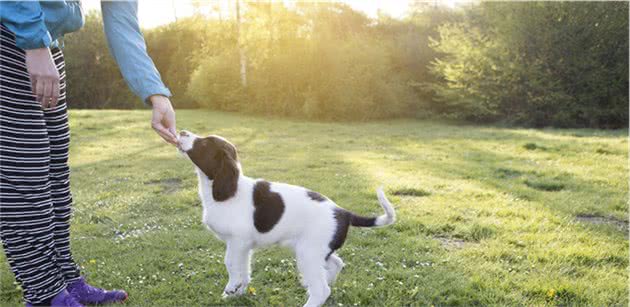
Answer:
(383, 220)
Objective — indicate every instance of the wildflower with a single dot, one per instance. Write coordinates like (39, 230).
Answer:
(251, 290)
(92, 261)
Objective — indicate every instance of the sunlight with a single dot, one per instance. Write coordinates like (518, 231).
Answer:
(455, 3)
(159, 12)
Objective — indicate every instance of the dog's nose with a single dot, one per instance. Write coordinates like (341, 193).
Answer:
(183, 133)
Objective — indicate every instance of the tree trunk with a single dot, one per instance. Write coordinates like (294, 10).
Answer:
(241, 49)
(270, 25)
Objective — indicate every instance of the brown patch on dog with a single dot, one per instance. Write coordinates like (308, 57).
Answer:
(342, 217)
(362, 221)
(315, 196)
(269, 207)
(218, 160)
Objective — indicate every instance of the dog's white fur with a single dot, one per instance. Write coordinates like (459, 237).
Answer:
(306, 226)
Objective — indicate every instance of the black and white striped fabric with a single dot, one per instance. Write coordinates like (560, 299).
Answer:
(35, 199)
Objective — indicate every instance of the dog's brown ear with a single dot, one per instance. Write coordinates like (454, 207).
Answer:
(225, 180)
(199, 156)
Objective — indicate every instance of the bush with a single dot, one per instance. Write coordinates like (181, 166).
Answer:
(216, 83)
(535, 64)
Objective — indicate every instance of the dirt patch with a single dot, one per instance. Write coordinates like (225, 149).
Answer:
(411, 192)
(534, 146)
(545, 185)
(451, 243)
(603, 151)
(507, 173)
(169, 185)
(608, 220)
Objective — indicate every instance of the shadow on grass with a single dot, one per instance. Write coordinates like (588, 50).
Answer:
(513, 175)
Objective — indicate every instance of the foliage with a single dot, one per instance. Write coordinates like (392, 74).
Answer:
(180, 47)
(535, 63)
(531, 63)
(335, 72)
(92, 77)
(471, 229)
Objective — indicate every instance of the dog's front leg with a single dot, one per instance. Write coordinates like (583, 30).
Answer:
(237, 262)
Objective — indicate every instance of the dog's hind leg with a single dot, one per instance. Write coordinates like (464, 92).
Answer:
(334, 264)
(311, 264)
(237, 262)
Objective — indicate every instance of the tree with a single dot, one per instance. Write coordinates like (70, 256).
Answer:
(535, 63)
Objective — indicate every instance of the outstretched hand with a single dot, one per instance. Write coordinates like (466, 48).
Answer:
(163, 120)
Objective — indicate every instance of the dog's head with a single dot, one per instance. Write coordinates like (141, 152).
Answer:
(216, 158)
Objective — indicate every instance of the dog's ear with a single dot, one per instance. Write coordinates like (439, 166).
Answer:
(199, 156)
(225, 180)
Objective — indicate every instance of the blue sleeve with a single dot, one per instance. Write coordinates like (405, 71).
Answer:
(26, 20)
(127, 46)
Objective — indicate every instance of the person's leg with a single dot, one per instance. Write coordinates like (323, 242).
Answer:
(59, 136)
(26, 208)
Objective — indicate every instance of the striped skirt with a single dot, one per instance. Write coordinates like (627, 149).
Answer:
(35, 199)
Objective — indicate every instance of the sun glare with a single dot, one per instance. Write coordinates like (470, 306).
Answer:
(158, 12)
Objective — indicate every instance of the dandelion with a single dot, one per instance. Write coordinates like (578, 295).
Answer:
(92, 261)
(251, 290)
(551, 293)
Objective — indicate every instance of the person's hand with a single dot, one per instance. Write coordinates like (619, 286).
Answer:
(163, 120)
(44, 76)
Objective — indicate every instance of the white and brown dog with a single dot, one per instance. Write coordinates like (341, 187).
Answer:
(247, 213)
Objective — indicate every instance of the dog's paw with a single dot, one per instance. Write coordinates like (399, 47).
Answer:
(234, 290)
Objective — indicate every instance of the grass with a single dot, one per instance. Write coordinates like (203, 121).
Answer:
(485, 218)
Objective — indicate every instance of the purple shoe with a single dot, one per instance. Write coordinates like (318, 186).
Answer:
(87, 294)
(63, 299)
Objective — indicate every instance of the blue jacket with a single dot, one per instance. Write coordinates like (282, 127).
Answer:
(39, 24)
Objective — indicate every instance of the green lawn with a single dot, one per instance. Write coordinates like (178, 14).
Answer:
(486, 215)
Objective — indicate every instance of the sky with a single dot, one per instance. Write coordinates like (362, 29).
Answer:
(152, 13)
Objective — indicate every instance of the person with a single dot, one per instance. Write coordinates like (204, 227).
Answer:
(35, 198)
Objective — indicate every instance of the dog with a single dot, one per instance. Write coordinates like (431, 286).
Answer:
(247, 213)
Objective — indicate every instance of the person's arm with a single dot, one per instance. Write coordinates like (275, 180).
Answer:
(127, 46)
(26, 20)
